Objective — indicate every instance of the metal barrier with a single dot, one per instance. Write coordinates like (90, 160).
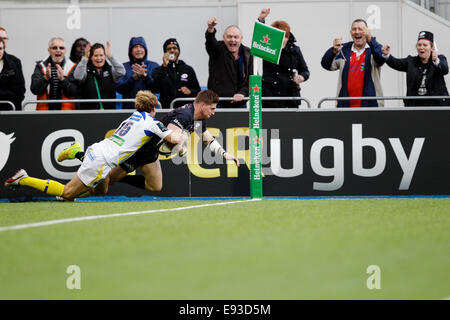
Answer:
(381, 98)
(9, 102)
(247, 98)
(79, 101)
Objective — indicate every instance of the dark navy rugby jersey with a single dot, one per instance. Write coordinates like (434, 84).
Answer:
(183, 117)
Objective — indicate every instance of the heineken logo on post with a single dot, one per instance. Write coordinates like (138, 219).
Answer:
(267, 42)
(255, 137)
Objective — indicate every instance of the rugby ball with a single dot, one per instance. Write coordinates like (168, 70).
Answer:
(165, 149)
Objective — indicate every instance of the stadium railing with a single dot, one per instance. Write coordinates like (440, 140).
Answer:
(10, 103)
(27, 102)
(381, 98)
(247, 99)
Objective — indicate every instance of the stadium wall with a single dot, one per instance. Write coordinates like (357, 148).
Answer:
(326, 152)
(314, 23)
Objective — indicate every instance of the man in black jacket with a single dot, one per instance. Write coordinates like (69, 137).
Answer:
(230, 64)
(12, 83)
(174, 79)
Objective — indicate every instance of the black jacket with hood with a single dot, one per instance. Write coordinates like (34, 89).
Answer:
(277, 79)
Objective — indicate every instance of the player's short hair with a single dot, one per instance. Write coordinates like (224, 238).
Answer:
(282, 25)
(207, 96)
(145, 101)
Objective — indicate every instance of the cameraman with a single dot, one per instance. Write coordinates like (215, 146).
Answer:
(284, 79)
(174, 79)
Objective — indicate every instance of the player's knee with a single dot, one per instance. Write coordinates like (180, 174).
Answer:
(153, 187)
(69, 193)
(102, 188)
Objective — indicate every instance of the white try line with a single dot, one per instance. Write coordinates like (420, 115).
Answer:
(113, 215)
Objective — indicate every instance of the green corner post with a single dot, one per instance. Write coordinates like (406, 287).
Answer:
(266, 44)
(255, 126)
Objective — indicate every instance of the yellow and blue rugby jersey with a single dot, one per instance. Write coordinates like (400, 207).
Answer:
(132, 134)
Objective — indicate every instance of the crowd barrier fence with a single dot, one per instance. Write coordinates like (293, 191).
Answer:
(319, 105)
(247, 99)
(380, 98)
(10, 103)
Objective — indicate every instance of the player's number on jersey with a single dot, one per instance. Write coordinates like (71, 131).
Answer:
(124, 128)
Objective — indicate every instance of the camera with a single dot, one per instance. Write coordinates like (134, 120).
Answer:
(294, 78)
(171, 57)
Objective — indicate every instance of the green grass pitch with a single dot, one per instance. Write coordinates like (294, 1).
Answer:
(268, 249)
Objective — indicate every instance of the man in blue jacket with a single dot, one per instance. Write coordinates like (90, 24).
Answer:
(359, 63)
(138, 71)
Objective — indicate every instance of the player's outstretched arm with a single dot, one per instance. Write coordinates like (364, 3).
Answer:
(216, 148)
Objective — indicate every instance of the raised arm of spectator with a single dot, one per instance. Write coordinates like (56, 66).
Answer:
(211, 44)
(394, 63)
(80, 71)
(442, 64)
(375, 47)
(329, 59)
(263, 15)
(117, 68)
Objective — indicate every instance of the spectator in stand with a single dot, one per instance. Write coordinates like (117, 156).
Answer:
(77, 52)
(97, 77)
(424, 72)
(359, 63)
(230, 64)
(283, 79)
(4, 35)
(78, 49)
(174, 79)
(12, 83)
(138, 71)
(50, 79)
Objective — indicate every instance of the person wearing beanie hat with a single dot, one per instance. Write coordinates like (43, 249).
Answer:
(169, 42)
(427, 35)
(174, 78)
(138, 71)
(424, 72)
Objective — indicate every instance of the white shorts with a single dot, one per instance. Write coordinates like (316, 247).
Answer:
(94, 168)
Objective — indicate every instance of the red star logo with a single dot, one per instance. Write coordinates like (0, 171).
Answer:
(256, 88)
(266, 38)
(257, 140)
